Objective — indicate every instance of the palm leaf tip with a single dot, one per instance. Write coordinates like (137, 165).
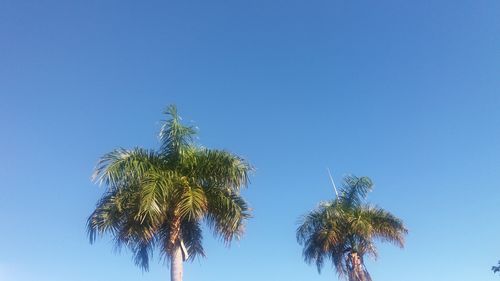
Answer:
(171, 110)
(174, 136)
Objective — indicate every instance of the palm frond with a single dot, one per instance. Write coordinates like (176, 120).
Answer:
(174, 136)
(140, 238)
(322, 233)
(385, 226)
(355, 189)
(220, 168)
(124, 166)
(193, 203)
(156, 189)
(309, 224)
(337, 256)
(192, 236)
(226, 213)
(106, 217)
(142, 253)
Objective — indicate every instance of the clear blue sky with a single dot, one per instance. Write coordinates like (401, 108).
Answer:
(406, 92)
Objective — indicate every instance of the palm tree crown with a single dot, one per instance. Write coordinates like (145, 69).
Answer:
(157, 200)
(344, 230)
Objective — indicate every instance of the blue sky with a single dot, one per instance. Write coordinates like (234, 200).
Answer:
(406, 92)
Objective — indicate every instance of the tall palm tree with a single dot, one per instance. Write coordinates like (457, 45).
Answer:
(345, 229)
(157, 199)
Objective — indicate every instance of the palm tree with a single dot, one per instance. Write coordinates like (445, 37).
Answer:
(344, 230)
(156, 200)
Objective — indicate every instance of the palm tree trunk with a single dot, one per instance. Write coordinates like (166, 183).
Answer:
(356, 268)
(175, 249)
(176, 263)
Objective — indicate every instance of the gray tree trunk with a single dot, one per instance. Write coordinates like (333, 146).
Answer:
(176, 263)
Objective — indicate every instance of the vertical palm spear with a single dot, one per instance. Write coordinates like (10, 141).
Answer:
(344, 230)
(156, 200)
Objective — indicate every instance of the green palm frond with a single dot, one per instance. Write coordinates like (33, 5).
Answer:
(193, 237)
(220, 168)
(174, 136)
(384, 225)
(106, 217)
(139, 237)
(142, 253)
(193, 203)
(338, 257)
(163, 238)
(122, 166)
(322, 234)
(226, 213)
(157, 188)
(355, 189)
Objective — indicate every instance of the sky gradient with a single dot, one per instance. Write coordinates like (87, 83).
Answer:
(406, 92)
